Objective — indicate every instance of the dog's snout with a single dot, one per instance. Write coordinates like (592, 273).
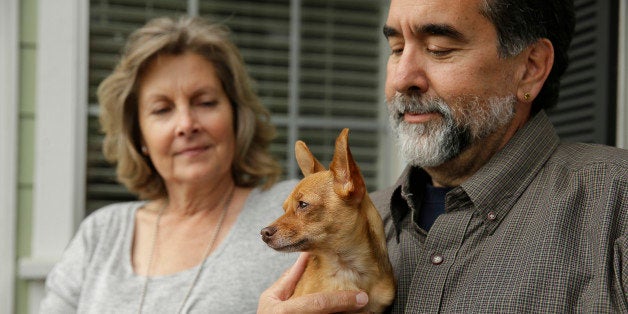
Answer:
(267, 233)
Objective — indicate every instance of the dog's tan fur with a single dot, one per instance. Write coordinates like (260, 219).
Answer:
(330, 214)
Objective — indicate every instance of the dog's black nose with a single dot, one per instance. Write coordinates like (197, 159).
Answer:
(267, 233)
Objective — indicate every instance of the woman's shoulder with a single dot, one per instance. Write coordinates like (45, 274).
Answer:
(269, 202)
(116, 214)
(279, 190)
(99, 233)
(285, 185)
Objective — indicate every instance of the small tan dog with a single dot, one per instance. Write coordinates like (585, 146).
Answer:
(330, 214)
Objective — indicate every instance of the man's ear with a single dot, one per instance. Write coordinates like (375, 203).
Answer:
(539, 59)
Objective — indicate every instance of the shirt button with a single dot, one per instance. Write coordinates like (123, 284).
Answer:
(491, 216)
(437, 259)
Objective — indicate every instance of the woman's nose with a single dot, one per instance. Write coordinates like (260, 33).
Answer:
(187, 122)
(407, 73)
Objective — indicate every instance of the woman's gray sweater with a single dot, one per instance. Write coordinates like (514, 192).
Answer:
(95, 274)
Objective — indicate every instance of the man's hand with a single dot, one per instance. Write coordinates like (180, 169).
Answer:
(275, 299)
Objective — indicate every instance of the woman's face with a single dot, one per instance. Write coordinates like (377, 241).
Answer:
(186, 120)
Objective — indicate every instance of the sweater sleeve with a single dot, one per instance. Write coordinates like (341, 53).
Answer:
(65, 280)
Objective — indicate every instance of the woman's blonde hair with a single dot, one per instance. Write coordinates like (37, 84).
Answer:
(117, 94)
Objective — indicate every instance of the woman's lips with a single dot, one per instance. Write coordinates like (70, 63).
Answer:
(410, 117)
(193, 151)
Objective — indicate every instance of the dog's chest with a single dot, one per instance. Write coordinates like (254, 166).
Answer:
(344, 278)
(333, 277)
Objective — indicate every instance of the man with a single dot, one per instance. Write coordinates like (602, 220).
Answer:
(493, 213)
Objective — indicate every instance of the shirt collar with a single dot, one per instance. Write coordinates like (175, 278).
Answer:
(495, 188)
(403, 198)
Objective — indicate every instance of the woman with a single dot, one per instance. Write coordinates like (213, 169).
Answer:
(188, 135)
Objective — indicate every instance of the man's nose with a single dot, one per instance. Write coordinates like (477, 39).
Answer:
(407, 73)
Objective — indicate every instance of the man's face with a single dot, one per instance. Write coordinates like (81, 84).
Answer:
(446, 86)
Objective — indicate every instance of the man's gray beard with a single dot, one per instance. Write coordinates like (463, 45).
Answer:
(434, 142)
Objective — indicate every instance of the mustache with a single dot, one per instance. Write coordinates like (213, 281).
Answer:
(400, 104)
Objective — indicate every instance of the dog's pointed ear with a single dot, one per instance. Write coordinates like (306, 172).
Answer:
(348, 181)
(306, 160)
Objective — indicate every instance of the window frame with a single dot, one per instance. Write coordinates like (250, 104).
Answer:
(9, 111)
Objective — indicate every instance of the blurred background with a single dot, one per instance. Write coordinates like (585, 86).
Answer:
(319, 66)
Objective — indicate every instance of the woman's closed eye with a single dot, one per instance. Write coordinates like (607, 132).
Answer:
(159, 110)
(211, 103)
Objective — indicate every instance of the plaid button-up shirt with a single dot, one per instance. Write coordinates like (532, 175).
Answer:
(542, 227)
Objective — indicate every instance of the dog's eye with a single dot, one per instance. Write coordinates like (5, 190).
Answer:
(303, 204)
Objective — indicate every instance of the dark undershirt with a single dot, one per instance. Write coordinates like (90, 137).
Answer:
(432, 206)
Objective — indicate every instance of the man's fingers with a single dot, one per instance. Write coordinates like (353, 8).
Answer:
(327, 302)
(284, 286)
